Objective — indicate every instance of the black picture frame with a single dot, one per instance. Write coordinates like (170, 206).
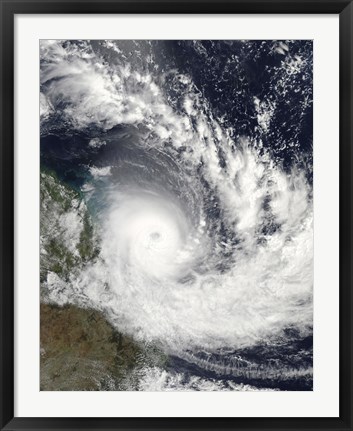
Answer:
(8, 11)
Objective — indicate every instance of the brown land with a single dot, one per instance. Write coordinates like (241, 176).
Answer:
(81, 351)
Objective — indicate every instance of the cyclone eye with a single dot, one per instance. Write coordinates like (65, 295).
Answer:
(155, 236)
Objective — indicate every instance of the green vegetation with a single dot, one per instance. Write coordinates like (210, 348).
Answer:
(68, 239)
(86, 246)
